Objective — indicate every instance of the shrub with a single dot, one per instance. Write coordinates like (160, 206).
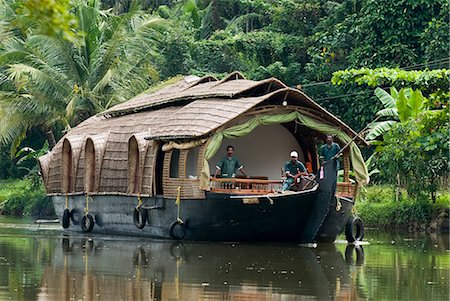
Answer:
(21, 197)
(379, 209)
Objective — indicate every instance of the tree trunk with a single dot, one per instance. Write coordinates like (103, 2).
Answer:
(50, 136)
(397, 189)
(215, 15)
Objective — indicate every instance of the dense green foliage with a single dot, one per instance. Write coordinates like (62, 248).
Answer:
(21, 197)
(413, 151)
(418, 153)
(378, 208)
(51, 83)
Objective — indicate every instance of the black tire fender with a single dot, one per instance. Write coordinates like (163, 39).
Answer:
(139, 217)
(356, 224)
(178, 250)
(66, 245)
(98, 219)
(87, 223)
(66, 219)
(75, 216)
(358, 249)
(140, 258)
(177, 230)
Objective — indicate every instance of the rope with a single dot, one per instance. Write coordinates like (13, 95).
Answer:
(178, 202)
(139, 202)
(338, 205)
(86, 209)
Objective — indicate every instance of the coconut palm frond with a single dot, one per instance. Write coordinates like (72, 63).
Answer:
(100, 86)
(52, 56)
(22, 73)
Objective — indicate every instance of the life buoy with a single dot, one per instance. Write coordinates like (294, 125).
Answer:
(354, 230)
(87, 223)
(358, 249)
(177, 230)
(139, 217)
(66, 219)
(75, 216)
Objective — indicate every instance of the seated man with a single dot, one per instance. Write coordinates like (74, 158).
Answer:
(293, 170)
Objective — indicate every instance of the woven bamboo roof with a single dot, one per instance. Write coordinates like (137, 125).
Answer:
(192, 108)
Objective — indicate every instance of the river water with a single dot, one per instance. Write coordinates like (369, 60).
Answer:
(41, 262)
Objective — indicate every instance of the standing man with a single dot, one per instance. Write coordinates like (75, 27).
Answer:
(328, 152)
(229, 164)
(293, 169)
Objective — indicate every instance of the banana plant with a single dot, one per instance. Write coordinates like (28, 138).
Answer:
(399, 106)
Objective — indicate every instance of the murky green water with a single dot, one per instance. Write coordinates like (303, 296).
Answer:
(39, 262)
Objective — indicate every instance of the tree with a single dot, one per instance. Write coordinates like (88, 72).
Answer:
(52, 83)
(417, 150)
(414, 148)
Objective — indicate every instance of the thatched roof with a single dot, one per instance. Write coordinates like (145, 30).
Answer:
(192, 108)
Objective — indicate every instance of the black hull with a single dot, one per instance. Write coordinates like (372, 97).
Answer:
(307, 216)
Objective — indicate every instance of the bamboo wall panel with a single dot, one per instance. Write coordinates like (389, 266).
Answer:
(189, 187)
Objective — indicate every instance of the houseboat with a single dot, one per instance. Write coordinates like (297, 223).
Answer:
(145, 167)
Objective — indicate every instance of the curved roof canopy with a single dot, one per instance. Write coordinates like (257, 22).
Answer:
(201, 105)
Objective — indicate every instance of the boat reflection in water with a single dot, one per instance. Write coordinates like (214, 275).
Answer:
(85, 269)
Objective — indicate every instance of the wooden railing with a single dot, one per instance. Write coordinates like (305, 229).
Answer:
(244, 186)
(256, 186)
(347, 189)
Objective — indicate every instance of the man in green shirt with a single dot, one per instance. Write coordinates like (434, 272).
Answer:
(229, 164)
(293, 169)
(329, 151)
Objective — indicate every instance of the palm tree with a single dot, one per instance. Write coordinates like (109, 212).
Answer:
(52, 83)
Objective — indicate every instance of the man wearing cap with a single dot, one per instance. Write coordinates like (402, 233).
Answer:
(229, 164)
(293, 169)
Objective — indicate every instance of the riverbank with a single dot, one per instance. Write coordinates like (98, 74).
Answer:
(23, 197)
(378, 208)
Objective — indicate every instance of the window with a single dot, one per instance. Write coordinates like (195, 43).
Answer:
(191, 163)
(66, 181)
(89, 176)
(133, 165)
(174, 164)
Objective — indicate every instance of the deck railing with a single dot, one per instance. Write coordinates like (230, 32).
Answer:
(347, 189)
(244, 186)
(258, 186)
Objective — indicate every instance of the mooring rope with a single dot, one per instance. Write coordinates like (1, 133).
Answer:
(178, 202)
(86, 209)
(139, 202)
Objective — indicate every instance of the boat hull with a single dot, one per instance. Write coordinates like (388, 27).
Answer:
(306, 216)
(219, 217)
